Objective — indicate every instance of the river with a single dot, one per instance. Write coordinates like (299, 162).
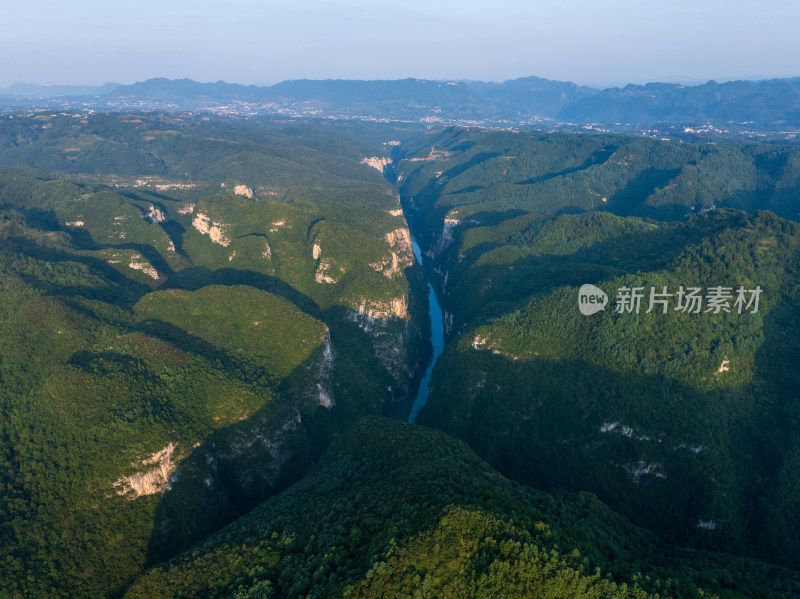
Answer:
(437, 339)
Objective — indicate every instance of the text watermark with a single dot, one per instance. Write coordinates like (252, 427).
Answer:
(688, 300)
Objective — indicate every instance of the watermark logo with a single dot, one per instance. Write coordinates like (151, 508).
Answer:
(687, 300)
(591, 299)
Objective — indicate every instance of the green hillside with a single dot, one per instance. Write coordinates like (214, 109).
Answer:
(195, 310)
(238, 320)
(690, 414)
(87, 398)
(394, 510)
(192, 310)
(477, 174)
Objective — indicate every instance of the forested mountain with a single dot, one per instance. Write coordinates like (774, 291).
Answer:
(691, 414)
(394, 510)
(191, 311)
(773, 101)
(769, 106)
(203, 319)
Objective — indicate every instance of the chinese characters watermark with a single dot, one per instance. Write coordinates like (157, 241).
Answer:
(687, 300)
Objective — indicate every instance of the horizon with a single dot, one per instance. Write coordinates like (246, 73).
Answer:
(600, 86)
(608, 45)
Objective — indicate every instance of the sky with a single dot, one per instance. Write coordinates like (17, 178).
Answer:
(593, 42)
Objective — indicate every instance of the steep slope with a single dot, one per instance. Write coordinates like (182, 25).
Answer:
(395, 510)
(691, 414)
(193, 310)
(99, 411)
(456, 175)
(197, 202)
(175, 348)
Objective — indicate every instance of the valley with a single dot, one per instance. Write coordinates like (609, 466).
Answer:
(436, 319)
(542, 392)
(206, 320)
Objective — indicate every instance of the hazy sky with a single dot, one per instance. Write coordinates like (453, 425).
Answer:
(261, 42)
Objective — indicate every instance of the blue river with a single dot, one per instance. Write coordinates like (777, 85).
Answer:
(437, 339)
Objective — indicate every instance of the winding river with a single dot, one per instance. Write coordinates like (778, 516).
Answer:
(437, 339)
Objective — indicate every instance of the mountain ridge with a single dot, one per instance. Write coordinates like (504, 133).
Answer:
(740, 106)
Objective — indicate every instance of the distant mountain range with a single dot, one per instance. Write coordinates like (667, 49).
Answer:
(769, 105)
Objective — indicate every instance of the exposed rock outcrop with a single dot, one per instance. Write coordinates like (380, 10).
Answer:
(277, 225)
(325, 396)
(324, 270)
(446, 237)
(216, 231)
(154, 215)
(400, 255)
(377, 162)
(327, 270)
(137, 262)
(152, 480)
(393, 335)
(375, 310)
(243, 190)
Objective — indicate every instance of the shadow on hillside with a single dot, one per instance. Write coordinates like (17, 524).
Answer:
(192, 279)
(83, 240)
(241, 465)
(36, 218)
(628, 200)
(488, 218)
(599, 156)
(474, 161)
(493, 288)
(125, 292)
(424, 198)
(186, 342)
(466, 190)
(539, 422)
(687, 455)
(236, 468)
(46, 220)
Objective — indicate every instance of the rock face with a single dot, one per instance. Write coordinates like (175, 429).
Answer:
(137, 262)
(326, 268)
(243, 190)
(154, 215)
(216, 231)
(151, 481)
(277, 225)
(322, 274)
(392, 333)
(377, 162)
(375, 310)
(446, 238)
(325, 396)
(400, 254)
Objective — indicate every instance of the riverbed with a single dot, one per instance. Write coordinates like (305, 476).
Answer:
(437, 340)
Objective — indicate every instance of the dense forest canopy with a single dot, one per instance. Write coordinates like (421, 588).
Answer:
(203, 320)
(682, 411)
(191, 311)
